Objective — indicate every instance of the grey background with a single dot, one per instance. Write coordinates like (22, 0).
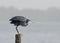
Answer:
(45, 17)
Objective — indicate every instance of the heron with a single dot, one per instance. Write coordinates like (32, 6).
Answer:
(19, 21)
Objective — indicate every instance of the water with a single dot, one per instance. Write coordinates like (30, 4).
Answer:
(39, 32)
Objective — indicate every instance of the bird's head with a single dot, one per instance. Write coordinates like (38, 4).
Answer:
(27, 20)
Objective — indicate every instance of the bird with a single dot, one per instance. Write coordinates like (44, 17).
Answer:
(19, 21)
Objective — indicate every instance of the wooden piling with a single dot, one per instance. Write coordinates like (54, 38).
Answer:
(18, 38)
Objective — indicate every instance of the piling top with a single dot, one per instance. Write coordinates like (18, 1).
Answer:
(19, 34)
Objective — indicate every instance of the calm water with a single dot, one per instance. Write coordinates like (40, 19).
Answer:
(39, 32)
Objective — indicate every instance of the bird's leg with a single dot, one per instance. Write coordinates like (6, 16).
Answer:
(17, 30)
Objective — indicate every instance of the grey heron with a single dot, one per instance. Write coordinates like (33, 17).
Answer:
(19, 20)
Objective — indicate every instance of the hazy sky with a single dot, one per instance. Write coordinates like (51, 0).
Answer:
(37, 32)
(41, 4)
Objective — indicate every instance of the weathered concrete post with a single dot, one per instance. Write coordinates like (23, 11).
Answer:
(18, 38)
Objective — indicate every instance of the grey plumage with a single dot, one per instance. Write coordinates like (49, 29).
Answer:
(19, 20)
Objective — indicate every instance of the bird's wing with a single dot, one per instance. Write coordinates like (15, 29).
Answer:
(19, 18)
